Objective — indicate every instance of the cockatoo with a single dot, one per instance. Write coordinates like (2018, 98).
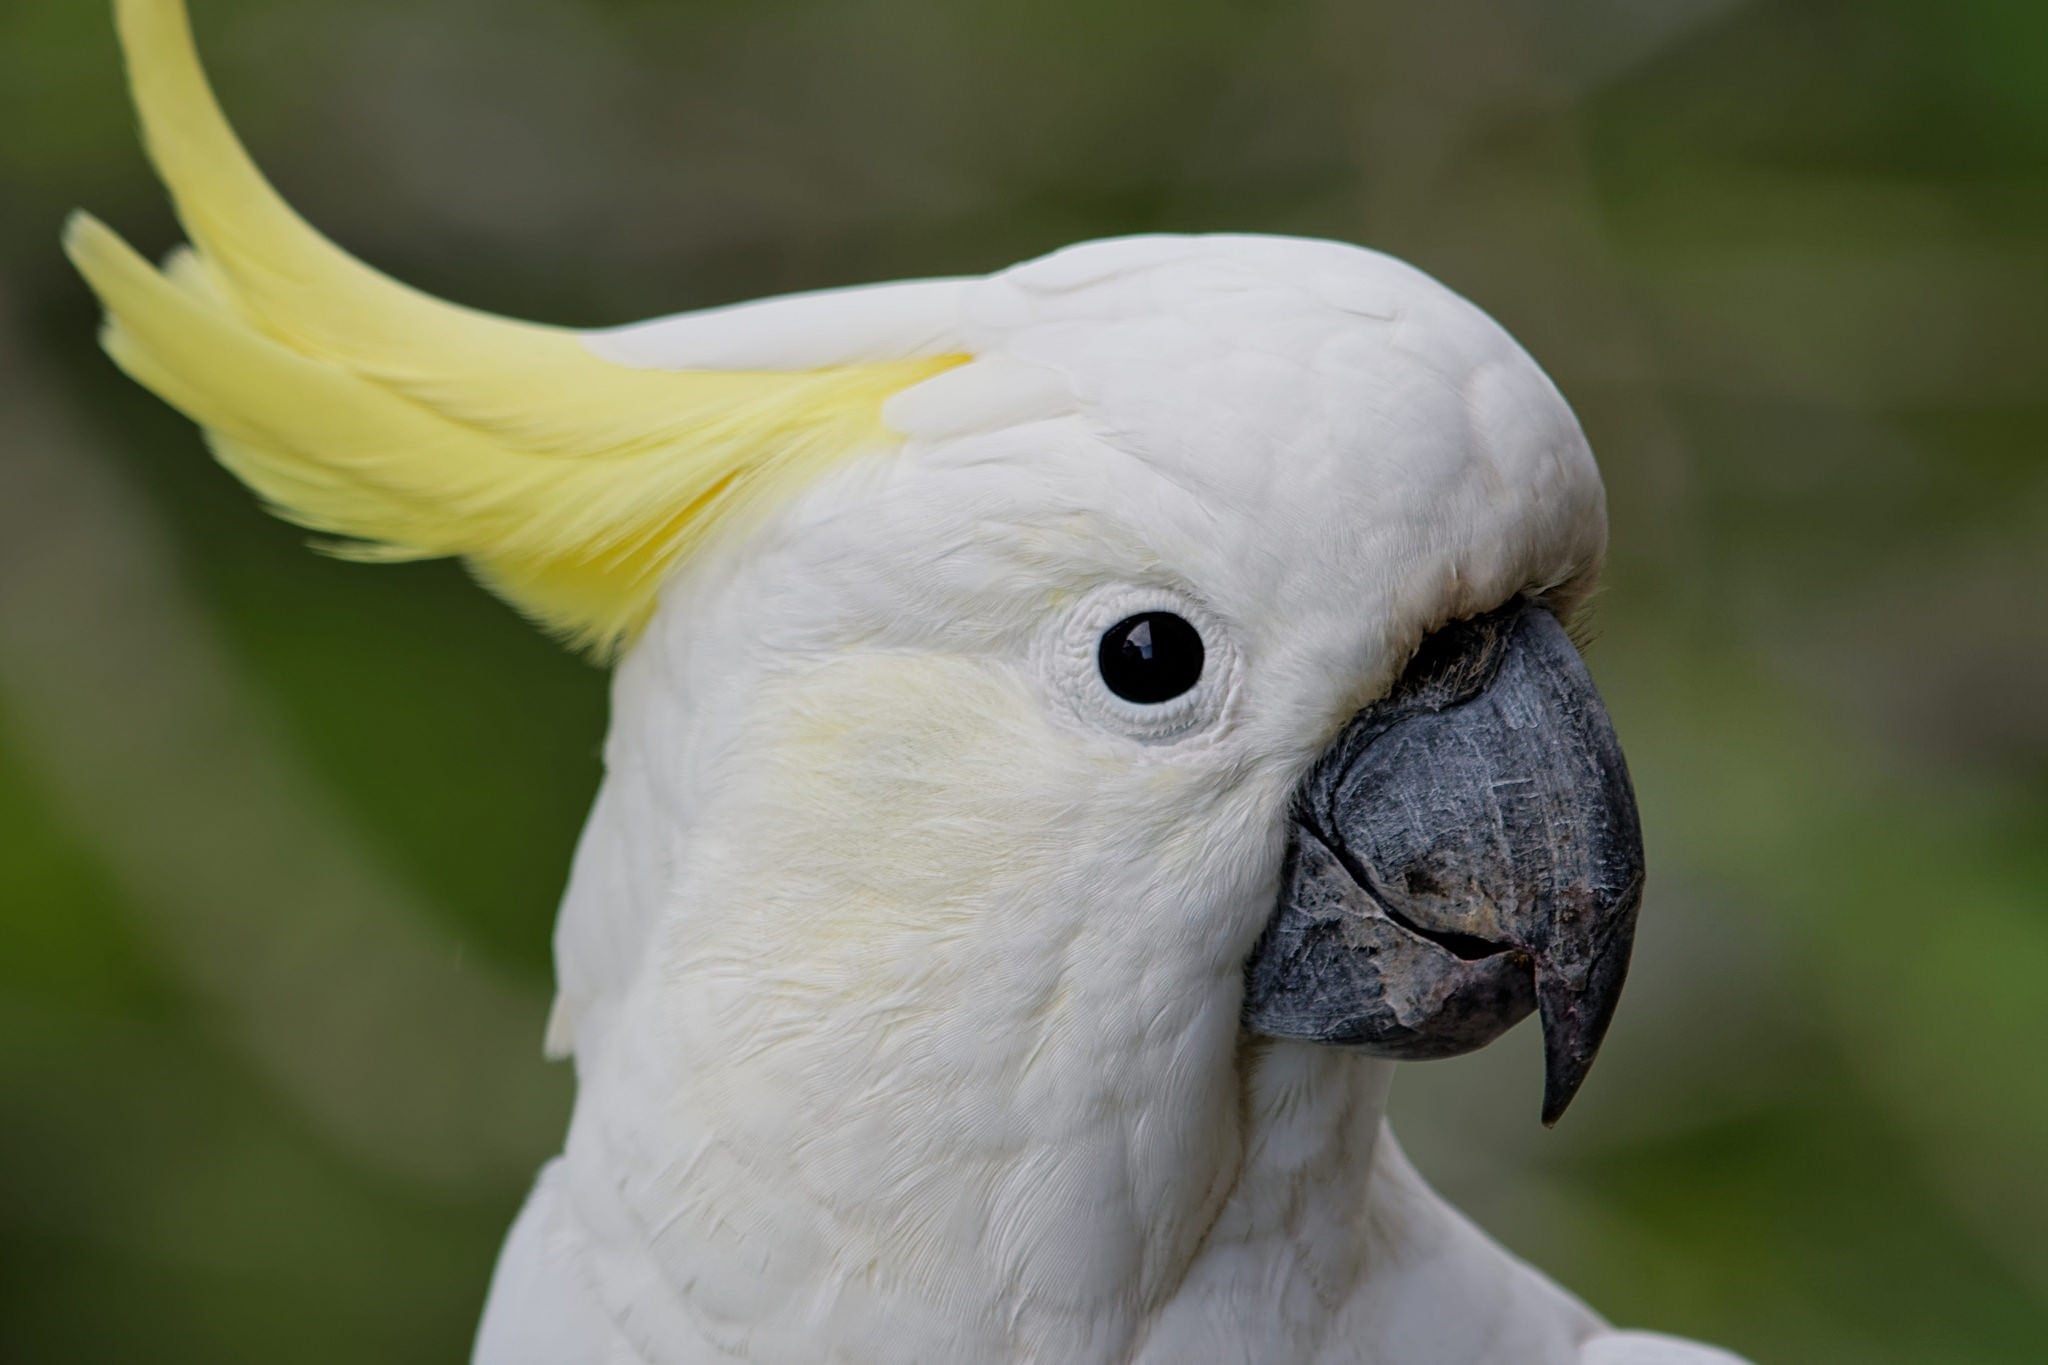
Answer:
(1073, 731)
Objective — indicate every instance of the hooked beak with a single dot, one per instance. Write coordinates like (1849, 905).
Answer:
(1467, 851)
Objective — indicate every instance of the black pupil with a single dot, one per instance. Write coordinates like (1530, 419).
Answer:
(1151, 657)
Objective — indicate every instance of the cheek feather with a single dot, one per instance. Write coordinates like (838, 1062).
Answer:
(879, 810)
(950, 941)
(920, 830)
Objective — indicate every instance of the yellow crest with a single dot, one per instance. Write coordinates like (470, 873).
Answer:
(356, 406)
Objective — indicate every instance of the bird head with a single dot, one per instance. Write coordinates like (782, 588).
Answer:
(1029, 686)
(1221, 564)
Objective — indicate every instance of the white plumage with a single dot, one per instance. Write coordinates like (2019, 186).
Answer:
(902, 983)
(901, 962)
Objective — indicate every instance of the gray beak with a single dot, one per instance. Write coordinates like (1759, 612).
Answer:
(1467, 851)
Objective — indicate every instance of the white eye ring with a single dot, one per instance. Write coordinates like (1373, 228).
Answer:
(1069, 656)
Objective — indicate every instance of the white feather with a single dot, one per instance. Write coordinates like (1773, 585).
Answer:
(902, 982)
(797, 331)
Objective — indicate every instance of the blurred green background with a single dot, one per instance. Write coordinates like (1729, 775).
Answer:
(280, 838)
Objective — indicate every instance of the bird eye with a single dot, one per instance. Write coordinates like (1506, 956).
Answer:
(1149, 658)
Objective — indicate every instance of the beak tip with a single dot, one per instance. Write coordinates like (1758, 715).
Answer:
(1556, 1099)
(1573, 1029)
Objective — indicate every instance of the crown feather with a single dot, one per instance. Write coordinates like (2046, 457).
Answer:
(359, 407)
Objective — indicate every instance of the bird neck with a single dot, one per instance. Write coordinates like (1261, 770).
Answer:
(843, 1080)
(1313, 1120)
(703, 1243)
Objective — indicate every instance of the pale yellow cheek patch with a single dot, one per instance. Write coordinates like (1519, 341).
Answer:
(914, 781)
(892, 805)
(356, 406)
(897, 823)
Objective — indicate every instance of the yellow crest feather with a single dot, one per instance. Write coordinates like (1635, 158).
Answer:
(357, 406)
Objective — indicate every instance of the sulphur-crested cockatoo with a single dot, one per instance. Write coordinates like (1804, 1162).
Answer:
(1072, 729)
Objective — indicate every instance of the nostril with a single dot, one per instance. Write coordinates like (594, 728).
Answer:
(1457, 660)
